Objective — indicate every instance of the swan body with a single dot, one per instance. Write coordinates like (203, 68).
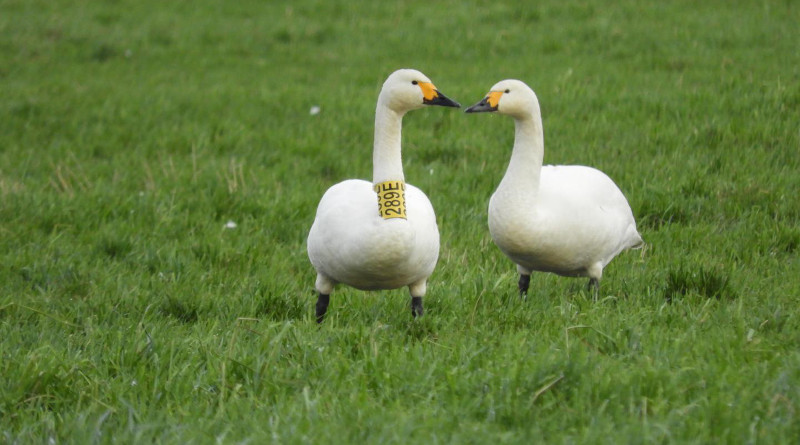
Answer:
(568, 220)
(351, 241)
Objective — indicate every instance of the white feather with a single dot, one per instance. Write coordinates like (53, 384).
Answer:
(350, 243)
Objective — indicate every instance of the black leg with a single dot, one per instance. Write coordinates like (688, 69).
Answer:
(322, 306)
(524, 283)
(594, 287)
(416, 306)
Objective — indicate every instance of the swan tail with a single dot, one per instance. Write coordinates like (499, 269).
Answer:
(635, 241)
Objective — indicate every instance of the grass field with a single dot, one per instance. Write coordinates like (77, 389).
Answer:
(132, 132)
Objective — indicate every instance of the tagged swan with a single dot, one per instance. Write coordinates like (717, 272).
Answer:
(380, 234)
(568, 220)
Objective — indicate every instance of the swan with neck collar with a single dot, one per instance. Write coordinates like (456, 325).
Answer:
(356, 241)
(568, 220)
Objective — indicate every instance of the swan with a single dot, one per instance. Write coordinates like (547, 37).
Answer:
(570, 220)
(380, 234)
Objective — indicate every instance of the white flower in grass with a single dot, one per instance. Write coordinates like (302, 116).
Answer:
(230, 225)
(314, 110)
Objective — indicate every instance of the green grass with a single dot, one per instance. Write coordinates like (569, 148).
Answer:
(131, 132)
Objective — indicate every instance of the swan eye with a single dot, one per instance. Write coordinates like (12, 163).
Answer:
(414, 82)
(508, 91)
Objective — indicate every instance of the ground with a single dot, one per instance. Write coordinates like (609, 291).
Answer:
(131, 310)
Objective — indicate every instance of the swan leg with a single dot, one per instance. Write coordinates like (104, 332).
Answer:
(523, 284)
(416, 307)
(595, 273)
(322, 306)
(417, 291)
(593, 286)
(324, 286)
(524, 280)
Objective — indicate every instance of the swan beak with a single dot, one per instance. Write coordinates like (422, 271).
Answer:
(432, 96)
(489, 103)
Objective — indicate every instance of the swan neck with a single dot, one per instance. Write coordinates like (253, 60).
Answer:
(524, 168)
(387, 164)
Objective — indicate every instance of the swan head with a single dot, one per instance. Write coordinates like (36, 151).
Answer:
(407, 89)
(510, 97)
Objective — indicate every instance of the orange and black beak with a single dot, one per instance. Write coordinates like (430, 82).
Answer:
(489, 103)
(432, 96)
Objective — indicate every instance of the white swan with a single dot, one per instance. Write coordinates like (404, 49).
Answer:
(568, 220)
(357, 242)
